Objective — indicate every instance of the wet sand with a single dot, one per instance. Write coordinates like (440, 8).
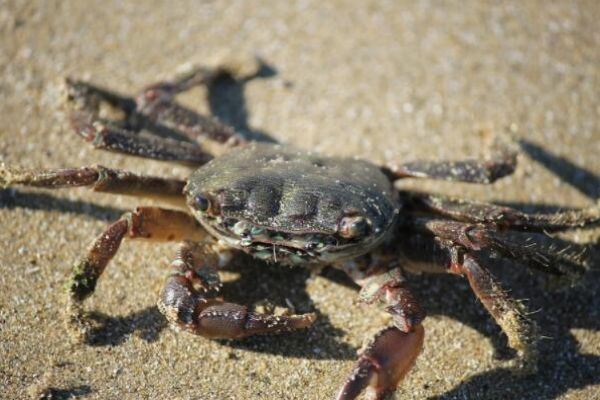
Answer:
(380, 80)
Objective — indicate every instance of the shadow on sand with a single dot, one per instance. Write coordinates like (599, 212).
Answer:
(257, 282)
(562, 365)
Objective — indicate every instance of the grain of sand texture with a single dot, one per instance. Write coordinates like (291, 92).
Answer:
(382, 80)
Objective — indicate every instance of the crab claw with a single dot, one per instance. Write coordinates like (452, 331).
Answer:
(384, 363)
(213, 318)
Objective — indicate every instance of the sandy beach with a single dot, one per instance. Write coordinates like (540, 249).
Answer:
(381, 80)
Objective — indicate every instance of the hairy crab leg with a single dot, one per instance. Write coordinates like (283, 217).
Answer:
(550, 255)
(99, 179)
(509, 314)
(188, 304)
(505, 217)
(501, 162)
(383, 364)
(150, 223)
(105, 135)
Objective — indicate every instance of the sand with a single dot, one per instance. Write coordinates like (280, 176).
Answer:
(382, 80)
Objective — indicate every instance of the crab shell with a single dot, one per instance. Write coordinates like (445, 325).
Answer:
(294, 207)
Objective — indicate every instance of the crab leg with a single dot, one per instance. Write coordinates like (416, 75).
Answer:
(242, 68)
(539, 251)
(197, 311)
(509, 314)
(100, 179)
(199, 263)
(144, 222)
(384, 363)
(156, 111)
(105, 135)
(501, 162)
(394, 350)
(123, 136)
(506, 217)
(157, 103)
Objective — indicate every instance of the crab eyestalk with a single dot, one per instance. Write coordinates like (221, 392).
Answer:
(352, 227)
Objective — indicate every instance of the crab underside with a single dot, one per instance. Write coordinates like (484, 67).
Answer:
(293, 207)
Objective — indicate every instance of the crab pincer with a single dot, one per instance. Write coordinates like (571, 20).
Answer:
(213, 318)
(384, 363)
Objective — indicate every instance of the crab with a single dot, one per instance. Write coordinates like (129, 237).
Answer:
(292, 207)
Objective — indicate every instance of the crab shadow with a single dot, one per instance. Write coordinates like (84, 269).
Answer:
(285, 287)
(111, 330)
(252, 283)
(562, 366)
(13, 199)
(580, 178)
(226, 100)
(74, 392)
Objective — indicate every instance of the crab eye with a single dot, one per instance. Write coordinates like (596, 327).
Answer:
(353, 227)
(202, 203)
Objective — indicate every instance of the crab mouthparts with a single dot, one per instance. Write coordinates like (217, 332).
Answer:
(277, 246)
